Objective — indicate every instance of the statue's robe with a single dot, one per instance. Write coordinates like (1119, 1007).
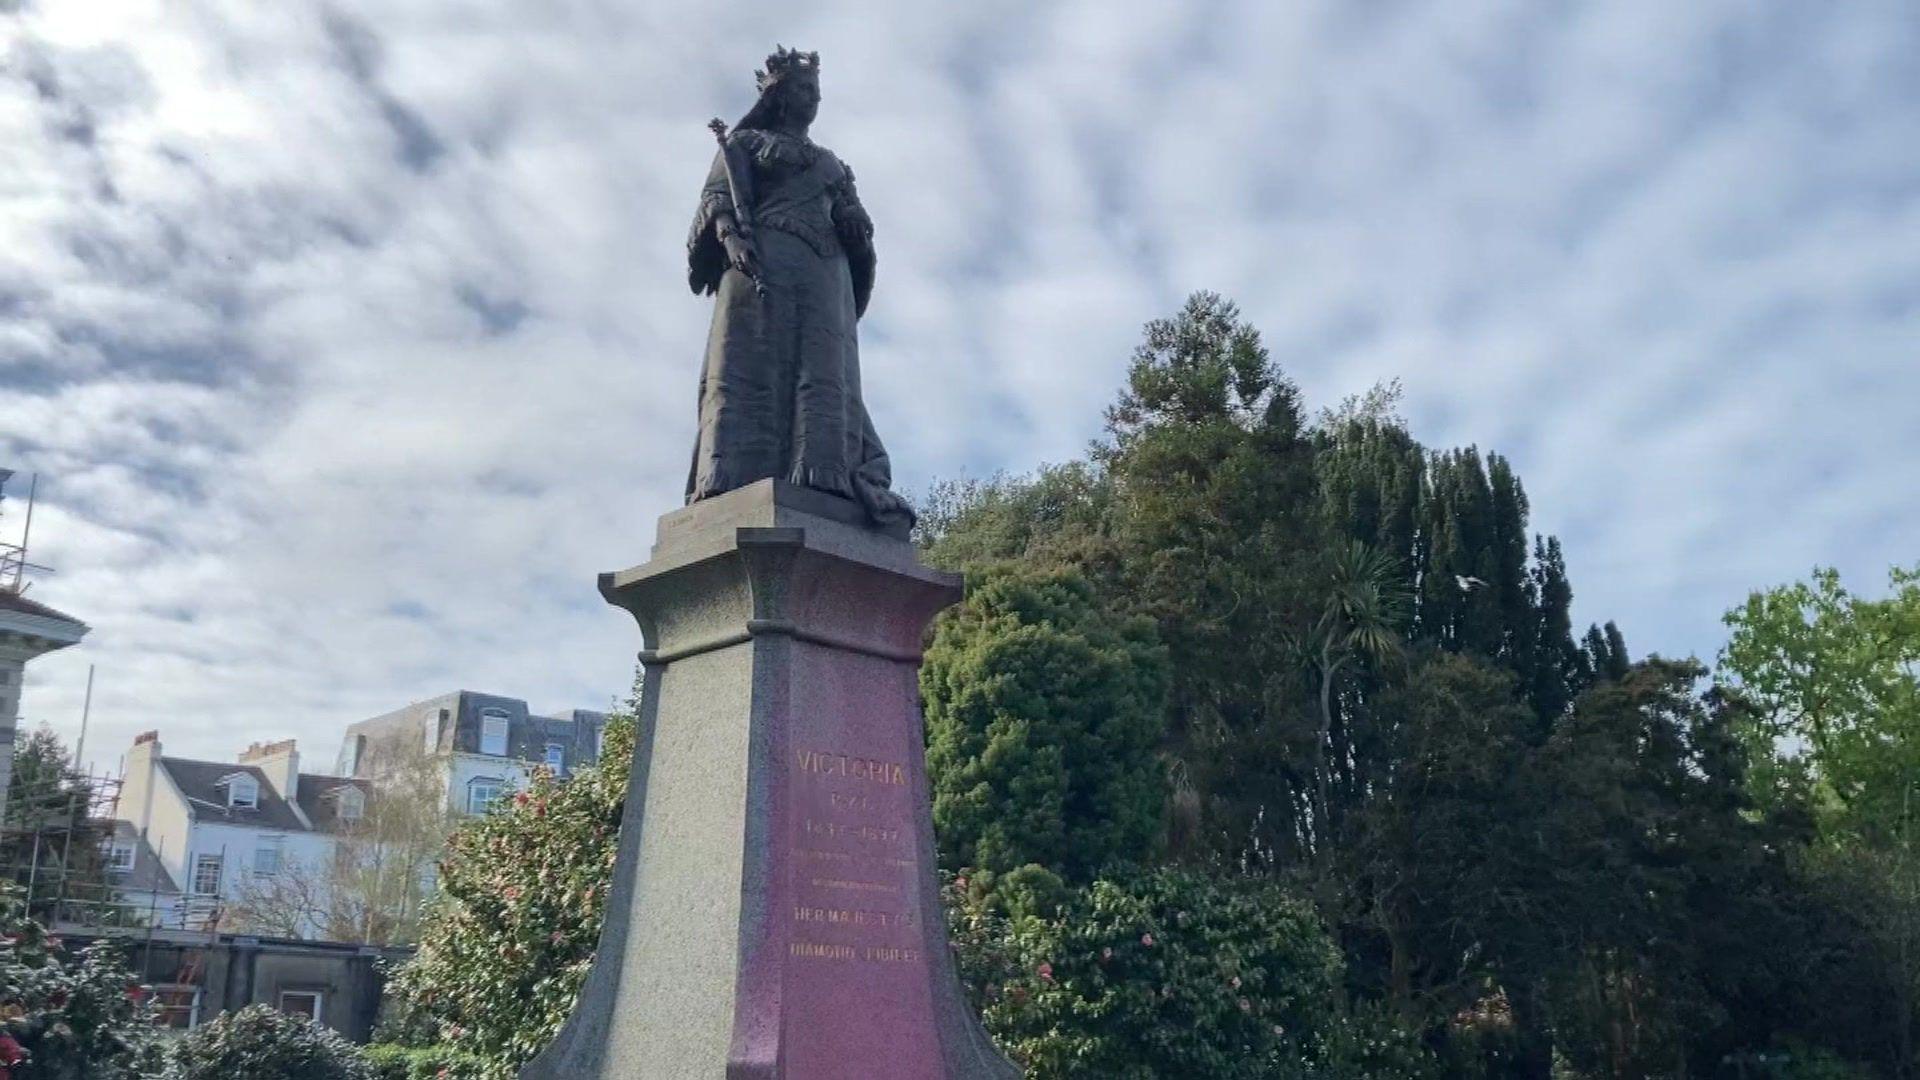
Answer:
(780, 392)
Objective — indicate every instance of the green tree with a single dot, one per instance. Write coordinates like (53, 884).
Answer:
(1360, 622)
(51, 846)
(1044, 718)
(1834, 679)
(1216, 537)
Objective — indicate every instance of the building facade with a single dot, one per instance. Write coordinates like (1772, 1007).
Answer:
(216, 832)
(481, 746)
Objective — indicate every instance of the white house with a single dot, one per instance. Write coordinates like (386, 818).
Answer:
(214, 828)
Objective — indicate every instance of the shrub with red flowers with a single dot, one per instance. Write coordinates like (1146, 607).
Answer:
(507, 942)
(67, 1015)
(1169, 973)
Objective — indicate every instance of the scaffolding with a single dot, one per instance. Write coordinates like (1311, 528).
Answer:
(13, 556)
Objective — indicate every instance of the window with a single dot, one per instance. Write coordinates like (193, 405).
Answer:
(557, 757)
(353, 804)
(301, 1003)
(493, 732)
(266, 861)
(206, 875)
(179, 1005)
(244, 793)
(483, 792)
(120, 857)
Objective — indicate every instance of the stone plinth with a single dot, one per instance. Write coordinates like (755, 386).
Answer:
(774, 912)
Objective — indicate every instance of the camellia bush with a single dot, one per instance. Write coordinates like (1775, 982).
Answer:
(508, 940)
(66, 1015)
(1169, 973)
(262, 1043)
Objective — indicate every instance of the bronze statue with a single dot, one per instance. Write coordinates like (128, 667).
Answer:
(783, 241)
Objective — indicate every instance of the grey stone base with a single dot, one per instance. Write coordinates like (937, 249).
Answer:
(774, 912)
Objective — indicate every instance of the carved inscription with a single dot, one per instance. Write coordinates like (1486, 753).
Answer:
(879, 954)
(859, 768)
(851, 826)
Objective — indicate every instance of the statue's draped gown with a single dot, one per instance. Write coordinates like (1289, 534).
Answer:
(780, 392)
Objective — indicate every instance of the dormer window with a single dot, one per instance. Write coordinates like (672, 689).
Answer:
(353, 804)
(244, 793)
(493, 732)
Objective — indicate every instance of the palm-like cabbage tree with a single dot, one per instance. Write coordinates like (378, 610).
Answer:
(1361, 619)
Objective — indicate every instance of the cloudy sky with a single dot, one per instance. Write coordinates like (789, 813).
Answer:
(351, 339)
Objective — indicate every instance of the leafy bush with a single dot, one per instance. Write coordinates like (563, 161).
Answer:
(391, 1062)
(64, 1016)
(1044, 718)
(261, 1043)
(509, 938)
(1170, 974)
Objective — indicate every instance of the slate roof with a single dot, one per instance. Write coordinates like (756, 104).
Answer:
(318, 796)
(199, 781)
(457, 719)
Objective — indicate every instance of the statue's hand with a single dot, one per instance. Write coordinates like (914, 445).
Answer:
(742, 255)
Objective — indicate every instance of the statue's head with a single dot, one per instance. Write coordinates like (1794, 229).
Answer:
(789, 91)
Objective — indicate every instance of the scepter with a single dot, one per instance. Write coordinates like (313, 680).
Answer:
(742, 198)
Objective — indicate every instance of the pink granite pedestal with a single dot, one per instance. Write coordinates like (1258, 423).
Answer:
(774, 913)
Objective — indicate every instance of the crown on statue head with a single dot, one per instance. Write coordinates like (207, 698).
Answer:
(784, 63)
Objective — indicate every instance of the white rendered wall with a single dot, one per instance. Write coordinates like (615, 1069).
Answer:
(462, 768)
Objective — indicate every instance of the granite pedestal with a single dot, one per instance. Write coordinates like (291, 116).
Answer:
(774, 913)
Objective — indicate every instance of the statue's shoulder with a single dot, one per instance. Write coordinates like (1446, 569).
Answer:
(747, 140)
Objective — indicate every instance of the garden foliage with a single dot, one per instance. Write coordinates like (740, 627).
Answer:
(65, 1016)
(1044, 719)
(510, 936)
(262, 1043)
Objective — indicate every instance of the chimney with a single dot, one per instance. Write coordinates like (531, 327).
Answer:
(136, 793)
(281, 764)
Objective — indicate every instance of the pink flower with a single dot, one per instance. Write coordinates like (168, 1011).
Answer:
(1147, 940)
(1246, 1006)
(1234, 982)
(1106, 954)
(1046, 972)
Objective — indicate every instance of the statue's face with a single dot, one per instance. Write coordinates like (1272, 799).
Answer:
(803, 99)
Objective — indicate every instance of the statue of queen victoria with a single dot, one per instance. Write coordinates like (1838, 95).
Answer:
(782, 240)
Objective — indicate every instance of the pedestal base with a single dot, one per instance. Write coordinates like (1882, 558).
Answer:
(774, 913)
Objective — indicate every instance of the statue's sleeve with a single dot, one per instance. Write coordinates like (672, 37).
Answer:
(706, 258)
(850, 220)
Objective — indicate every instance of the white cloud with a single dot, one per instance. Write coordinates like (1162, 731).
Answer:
(353, 339)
